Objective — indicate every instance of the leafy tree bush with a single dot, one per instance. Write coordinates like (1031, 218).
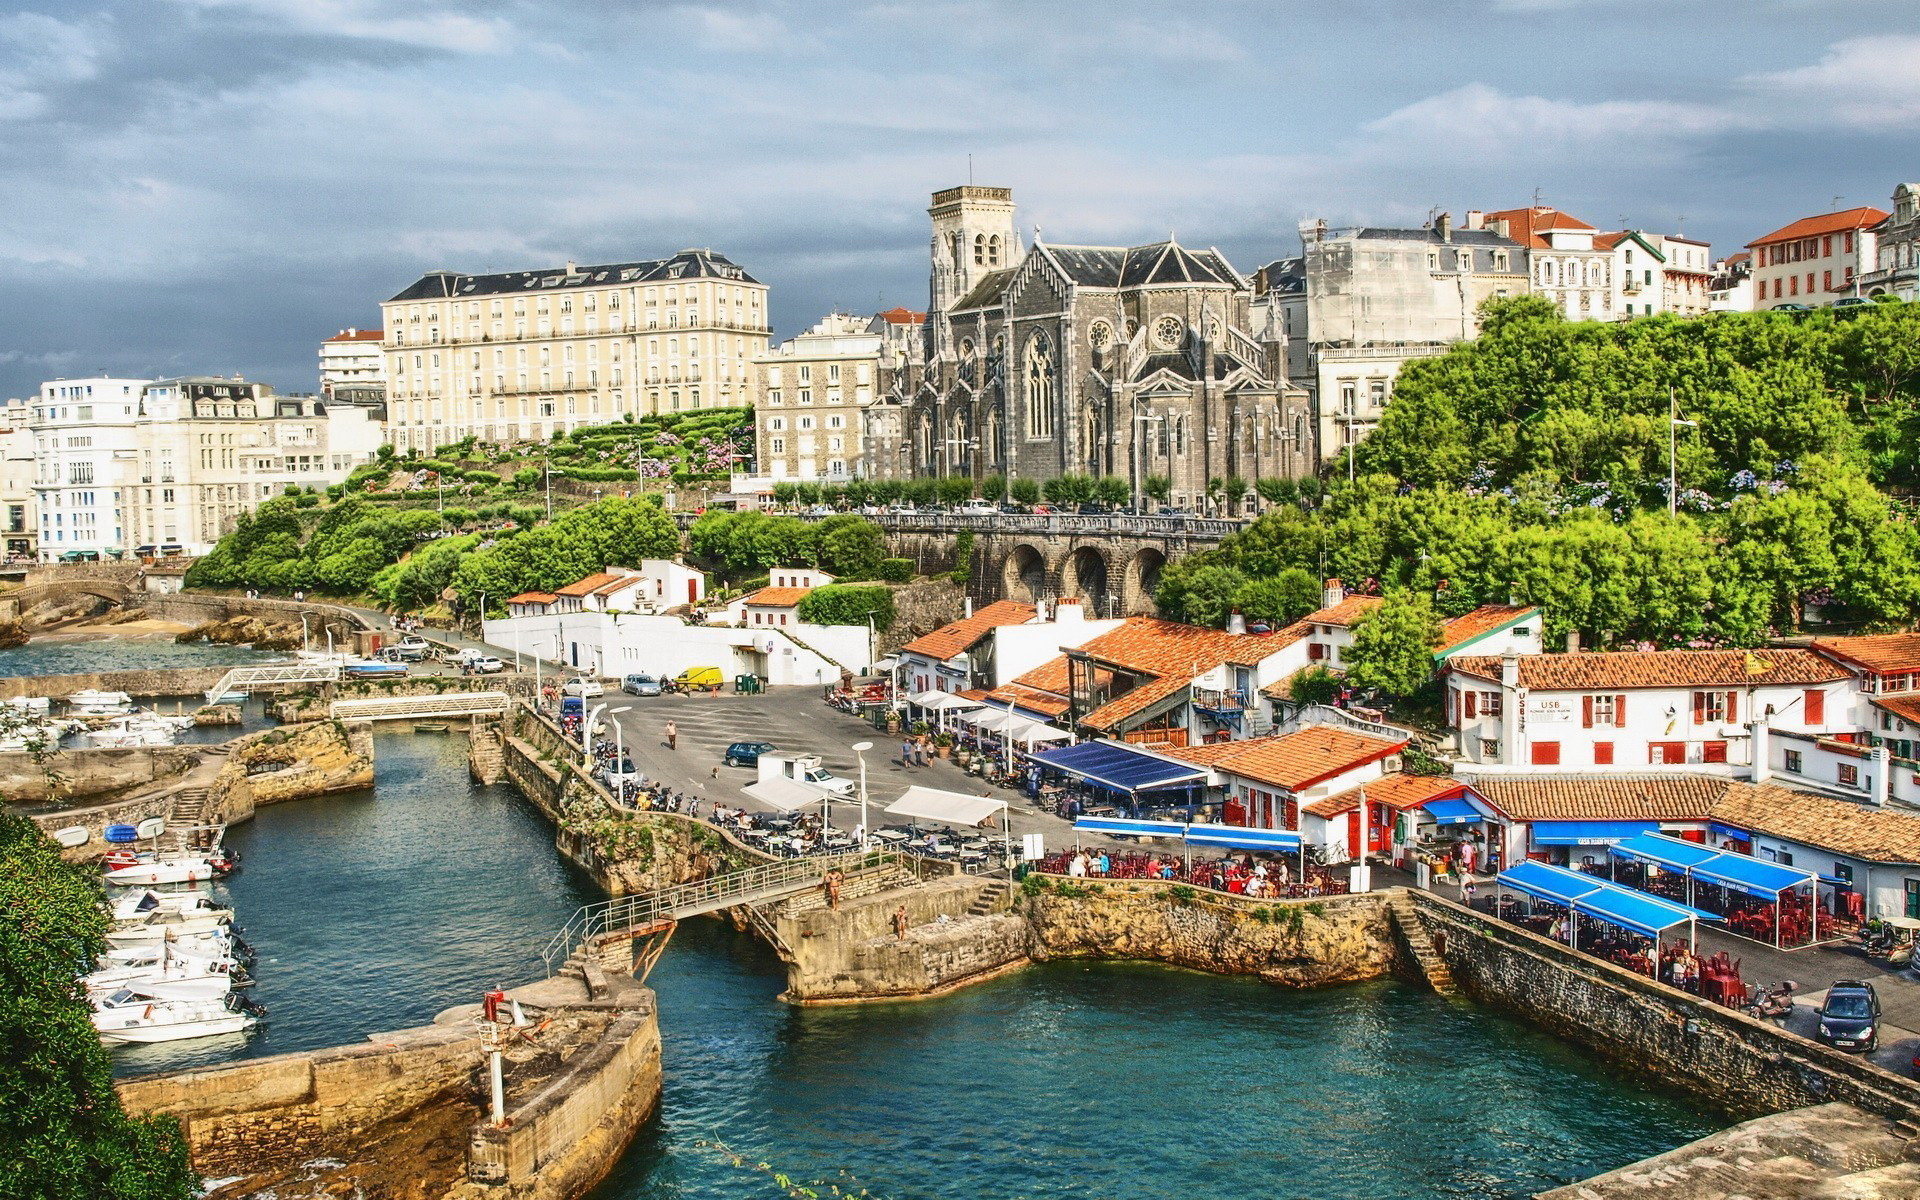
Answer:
(1158, 487)
(842, 604)
(1279, 599)
(1111, 489)
(1393, 645)
(1026, 491)
(851, 547)
(895, 570)
(63, 1133)
(1315, 685)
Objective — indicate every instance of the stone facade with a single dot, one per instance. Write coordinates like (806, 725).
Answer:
(1132, 362)
(291, 763)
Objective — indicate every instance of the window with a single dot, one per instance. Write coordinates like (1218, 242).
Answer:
(1713, 752)
(1843, 872)
(1794, 763)
(777, 445)
(1038, 373)
(1545, 754)
(1913, 897)
(1489, 748)
(1660, 753)
(1603, 711)
(1712, 708)
(1490, 704)
(1603, 754)
(1848, 774)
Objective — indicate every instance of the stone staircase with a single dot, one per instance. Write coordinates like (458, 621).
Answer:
(1401, 912)
(989, 899)
(189, 808)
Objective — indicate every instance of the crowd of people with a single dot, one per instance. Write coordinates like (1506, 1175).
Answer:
(1259, 877)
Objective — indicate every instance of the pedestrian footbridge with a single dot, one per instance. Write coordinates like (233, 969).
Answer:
(245, 679)
(401, 708)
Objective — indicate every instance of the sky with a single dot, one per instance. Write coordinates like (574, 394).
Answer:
(215, 186)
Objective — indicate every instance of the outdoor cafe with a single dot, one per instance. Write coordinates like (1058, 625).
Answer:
(1764, 901)
(1114, 778)
(1268, 866)
(1621, 924)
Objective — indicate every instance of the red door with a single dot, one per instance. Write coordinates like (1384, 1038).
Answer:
(693, 591)
(1378, 833)
(1354, 843)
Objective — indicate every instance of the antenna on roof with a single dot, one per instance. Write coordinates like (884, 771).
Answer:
(1680, 225)
(1836, 202)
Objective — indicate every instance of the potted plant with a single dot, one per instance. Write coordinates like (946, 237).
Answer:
(962, 755)
(893, 722)
(919, 729)
(943, 744)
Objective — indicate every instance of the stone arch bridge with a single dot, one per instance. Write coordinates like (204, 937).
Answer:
(1112, 564)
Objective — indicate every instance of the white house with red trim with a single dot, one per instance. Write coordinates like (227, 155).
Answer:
(1404, 817)
(1267, 782)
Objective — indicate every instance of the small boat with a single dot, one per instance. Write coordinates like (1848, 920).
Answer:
(373, 668)
(215, 945)
(36, 738)
(141, 906)
(163, 928)
(33, 706)
(230, 698)
(159, 984)
(431, 727)
(93, 703)
(73, 836)
(136, 729)
(152, 827)
(128, 1017)
(148, 872)
(120, 835)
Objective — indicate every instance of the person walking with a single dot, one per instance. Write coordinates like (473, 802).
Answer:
(673, 736)
(906, 752)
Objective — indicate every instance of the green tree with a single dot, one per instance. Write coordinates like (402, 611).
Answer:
(1314, 685)
(1275, 489)
(785, 493)
(1111, 489)
(1393, 645)
(953, 489)
(839, 604)
(1202, 595)
(1279, 599)
(994, 488)
(1159, 487)
(851, 547)
(63, 1133)
(1026, 491)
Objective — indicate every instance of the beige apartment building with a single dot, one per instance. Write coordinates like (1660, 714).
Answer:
(527, 355)
(815, 389)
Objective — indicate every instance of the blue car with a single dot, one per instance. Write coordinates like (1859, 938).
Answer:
(747, 754)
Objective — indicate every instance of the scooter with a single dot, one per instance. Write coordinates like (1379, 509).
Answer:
(1773, 1004)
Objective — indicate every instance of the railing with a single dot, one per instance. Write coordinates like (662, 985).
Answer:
(240, 678)
(1119, 524)
(746, 886)
(448, 704)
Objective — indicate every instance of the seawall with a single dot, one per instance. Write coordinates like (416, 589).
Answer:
(179, 681)
(84, 772)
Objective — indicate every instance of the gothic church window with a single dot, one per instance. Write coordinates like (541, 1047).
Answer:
(1100, 335)
(979, 249)
(1038, 372)
(1166, 331)
(993, 250)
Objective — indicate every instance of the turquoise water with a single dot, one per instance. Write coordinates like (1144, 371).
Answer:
(147, 652)
(373, 911)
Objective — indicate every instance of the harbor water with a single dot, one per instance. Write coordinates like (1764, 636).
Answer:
(373, 911)
(107, 652)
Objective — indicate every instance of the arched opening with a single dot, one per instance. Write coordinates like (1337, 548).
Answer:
(1143, 580)
(1086, 577)
(1024, 577)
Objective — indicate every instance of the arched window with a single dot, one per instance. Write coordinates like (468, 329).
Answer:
(1180, 435)
(993, 250)
(991, 443)
(979, 249)
(1299, 433)
(1038, 373)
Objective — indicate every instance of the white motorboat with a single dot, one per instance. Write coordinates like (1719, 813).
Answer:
(212, 945)
(93, 703)
(162, 984)
(38, 738)
(147, 872)
(32, 706)
(137, 729)
(132, 933)
(128, 1017)
(173, 906)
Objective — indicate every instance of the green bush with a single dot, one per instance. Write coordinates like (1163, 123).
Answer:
(843, 604)
(895, 570)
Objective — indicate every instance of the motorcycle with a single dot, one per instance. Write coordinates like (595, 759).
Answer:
(1773, 1004)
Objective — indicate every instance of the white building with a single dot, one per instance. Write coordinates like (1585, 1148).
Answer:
(17, 468)
(1815, 260)
(1658, 273)
(1567, 267)
(528, 355)
(1626, 711)
(814, 391)
(86, 444)
(1731, 288)
(353, 369)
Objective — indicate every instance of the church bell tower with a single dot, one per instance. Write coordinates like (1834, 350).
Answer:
(973, 234)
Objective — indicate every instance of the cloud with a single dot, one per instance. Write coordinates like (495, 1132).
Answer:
(1483, 116)
(1861, 83)
(39, 53)
(373, 20)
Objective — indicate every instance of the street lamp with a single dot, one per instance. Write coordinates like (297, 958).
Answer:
(619, 738)
(860, 752)
(586, 734)
(306, 642)
(1674, 423)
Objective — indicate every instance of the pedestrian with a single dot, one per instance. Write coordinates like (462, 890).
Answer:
(906, 752)
(900, 922)
(716, 772)
(673, 736)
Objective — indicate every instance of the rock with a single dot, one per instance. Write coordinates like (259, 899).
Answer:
(12, 633)
(217, 714)
(245, 631)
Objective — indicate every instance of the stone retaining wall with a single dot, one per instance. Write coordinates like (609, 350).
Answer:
(97, 818)
(319, 759)
(88, 771)
(183, 681)
(853, 954)
(197, 608)
(1744, 1065)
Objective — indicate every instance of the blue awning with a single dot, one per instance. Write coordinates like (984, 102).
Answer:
(1588, 833)
(1591, 896)
(1548, 883)
(1737, 834)
(1454, 812)
(1122, 827)
(1754, 876)
(1237, 838)
(1666, 851)
(1120, 767)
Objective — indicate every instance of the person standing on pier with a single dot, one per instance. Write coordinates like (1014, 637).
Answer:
(673, 736)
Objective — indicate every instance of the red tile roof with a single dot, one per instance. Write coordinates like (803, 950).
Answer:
(532, 598)
(1907, 708)
(1395, 791)
(1049, 676)
(1344, 613)
(1603, 797)
(1880, 653)
(358, 335)
(1481, 621)
(585, 587)
(1169, 648)
(903, 316)
(962, 635)
(1873, 834)
(1142, 697)
(1032, 699)
(1833, 222)
(1293, 760)
(1657, 668)
(777, 597)
(1525, 225)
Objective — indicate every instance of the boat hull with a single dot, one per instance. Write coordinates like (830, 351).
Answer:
(177, 1031)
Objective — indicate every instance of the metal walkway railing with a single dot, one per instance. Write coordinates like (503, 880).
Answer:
(749, 886)
(448, 704)
(240, 678)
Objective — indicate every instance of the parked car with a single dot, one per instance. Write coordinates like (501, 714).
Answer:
(747, 754)
(485, 664)
(977, 508)
(404, 654)
(700, 679)
(900, 508)
(640, 685)
(1849, 304)
(1850, 1017)
(414, 641)
(581, 686)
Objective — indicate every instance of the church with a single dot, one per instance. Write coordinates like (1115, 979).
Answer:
(1133, 362)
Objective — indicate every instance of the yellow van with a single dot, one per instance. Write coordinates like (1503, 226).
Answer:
(700, 679)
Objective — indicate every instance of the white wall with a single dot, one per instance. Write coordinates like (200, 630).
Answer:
(616, 644)
(1018, 649)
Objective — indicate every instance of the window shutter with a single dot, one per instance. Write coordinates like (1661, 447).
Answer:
(1699, 708)
(1468, 698)
(1586, 712)
(1733, 708)
(1620, 712)
(1816, 707)
(1453, 706)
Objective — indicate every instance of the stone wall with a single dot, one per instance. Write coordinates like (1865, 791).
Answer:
(291, 763)
(1727, 1057)
(197, 608)
(96, 819)
(854, 953)
(185, 681)
(1298, 943)
(922, 607)
(87, 771)
(312, 701)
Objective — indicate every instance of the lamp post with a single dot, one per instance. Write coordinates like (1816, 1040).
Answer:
(619, 738)
(1673, 452)
(586, 735)
(305, 641)
(860, 752)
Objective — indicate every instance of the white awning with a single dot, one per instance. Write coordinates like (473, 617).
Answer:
(950, 808)
(948, 702)
(1037, 732)
(994, 720)
(925, 699)
(784, 794)
(886, 664)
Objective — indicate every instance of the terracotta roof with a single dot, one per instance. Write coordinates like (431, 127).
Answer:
(1031, 699)
(1344, 613)
(1739, 257)
(1880, 653)
(585, 587)
(1525, 225)
(1657, 668)
(1395, 791)
(1907, 708)
(777, 597)
(532, 598)
(1142, 697)
(1049, 676)
(359, 335)
(1482, 620)
(1293, 760)
(1874, 834)
(903, 316)
(1170, 648)
(1603, 797)
(616, 583)
(962, 635)
(980, 694)
(1833, 222)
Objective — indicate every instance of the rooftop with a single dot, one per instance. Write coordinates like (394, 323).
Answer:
(532, 598)
(1874, 834)
(960, 636)
(1603, 797)
(1879, 653)
(1457, 631)
(688, 264)
(1398, 791)
(358, 335)
(1171, 648)
(587, 586)
(1657, 668)
(1292, 760)
(1833, 222)
(777, 597)
(1526, 225)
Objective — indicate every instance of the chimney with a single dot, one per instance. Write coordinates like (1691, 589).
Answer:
(1474, 219)
(1500, 227)
(969, 603)
(1235, 622)
(1573, 641)
(573, 268)
(351, 331)
(1877, 782)
(1511, 700)
(1762, 767)
(1332, 594)
(1068, 611)
(1443, 225)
